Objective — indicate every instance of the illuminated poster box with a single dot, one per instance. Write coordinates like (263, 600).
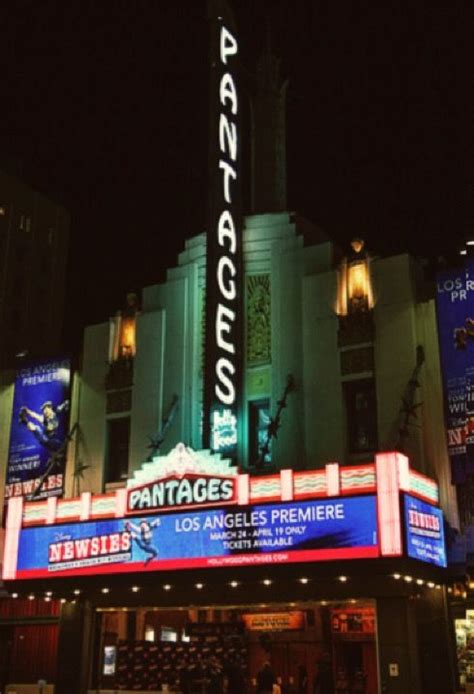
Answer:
(424, 532)
(274, 621)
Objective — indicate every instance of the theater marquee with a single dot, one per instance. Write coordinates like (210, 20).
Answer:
(194, 510)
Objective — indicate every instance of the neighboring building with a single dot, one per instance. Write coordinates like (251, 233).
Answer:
(34, 236)
(34, 233)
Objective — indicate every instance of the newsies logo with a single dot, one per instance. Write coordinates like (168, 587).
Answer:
(424, 523)
(68, 553)
(182, 478)
(224, 251)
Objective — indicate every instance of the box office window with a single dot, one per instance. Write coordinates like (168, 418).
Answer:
(118, 443)
(361, 415)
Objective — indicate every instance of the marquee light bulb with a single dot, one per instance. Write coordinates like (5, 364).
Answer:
(408, 579)
(267, 582)
(304, 580)
(420, 581)
(397, 577)
(342, 579)
(135, 589)
(431, 584)
(31, 597)
(234, 584)
(105, 590)
(14, 595)
(77, 591)
(167, 586)
(199, 586)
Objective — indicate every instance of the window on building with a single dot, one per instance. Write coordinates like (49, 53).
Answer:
(259, 418)
(361, 415)
(118, 442)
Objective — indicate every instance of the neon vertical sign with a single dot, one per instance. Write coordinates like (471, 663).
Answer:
(224, 241)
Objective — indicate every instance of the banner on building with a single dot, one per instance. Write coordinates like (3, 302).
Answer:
(39, 427)
(455, 309)
(223, 303)
(344, 528)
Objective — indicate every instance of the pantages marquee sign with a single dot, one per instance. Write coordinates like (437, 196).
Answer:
(224, 241)
(193, 509)
(182, 479)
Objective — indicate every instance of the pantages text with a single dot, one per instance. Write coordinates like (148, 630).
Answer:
(227, 239)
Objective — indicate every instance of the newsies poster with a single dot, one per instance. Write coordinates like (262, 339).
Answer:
(455, 309)
(39, 427)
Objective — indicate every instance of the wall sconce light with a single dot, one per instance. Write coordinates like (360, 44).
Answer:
(123, 331)
(354, 290)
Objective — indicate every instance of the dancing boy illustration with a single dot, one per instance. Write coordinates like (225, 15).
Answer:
(143, 536)
(46, 428)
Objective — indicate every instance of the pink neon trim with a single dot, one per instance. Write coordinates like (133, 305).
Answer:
(388, 504)
(333, 482)
(121, 500)
(243, 489)
(86, 504)
(286, 485)
(51, 509)
(12, 537)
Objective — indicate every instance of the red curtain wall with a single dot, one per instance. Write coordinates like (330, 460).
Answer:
(33, 654)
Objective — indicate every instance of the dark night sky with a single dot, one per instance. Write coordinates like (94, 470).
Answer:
(105, 106)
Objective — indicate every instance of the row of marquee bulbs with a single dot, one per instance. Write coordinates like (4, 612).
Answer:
(168, 586)
(418, 581)
(235, 584)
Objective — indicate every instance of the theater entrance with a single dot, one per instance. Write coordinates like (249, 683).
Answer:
(207, 650)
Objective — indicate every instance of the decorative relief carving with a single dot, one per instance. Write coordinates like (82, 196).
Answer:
(259, 347)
